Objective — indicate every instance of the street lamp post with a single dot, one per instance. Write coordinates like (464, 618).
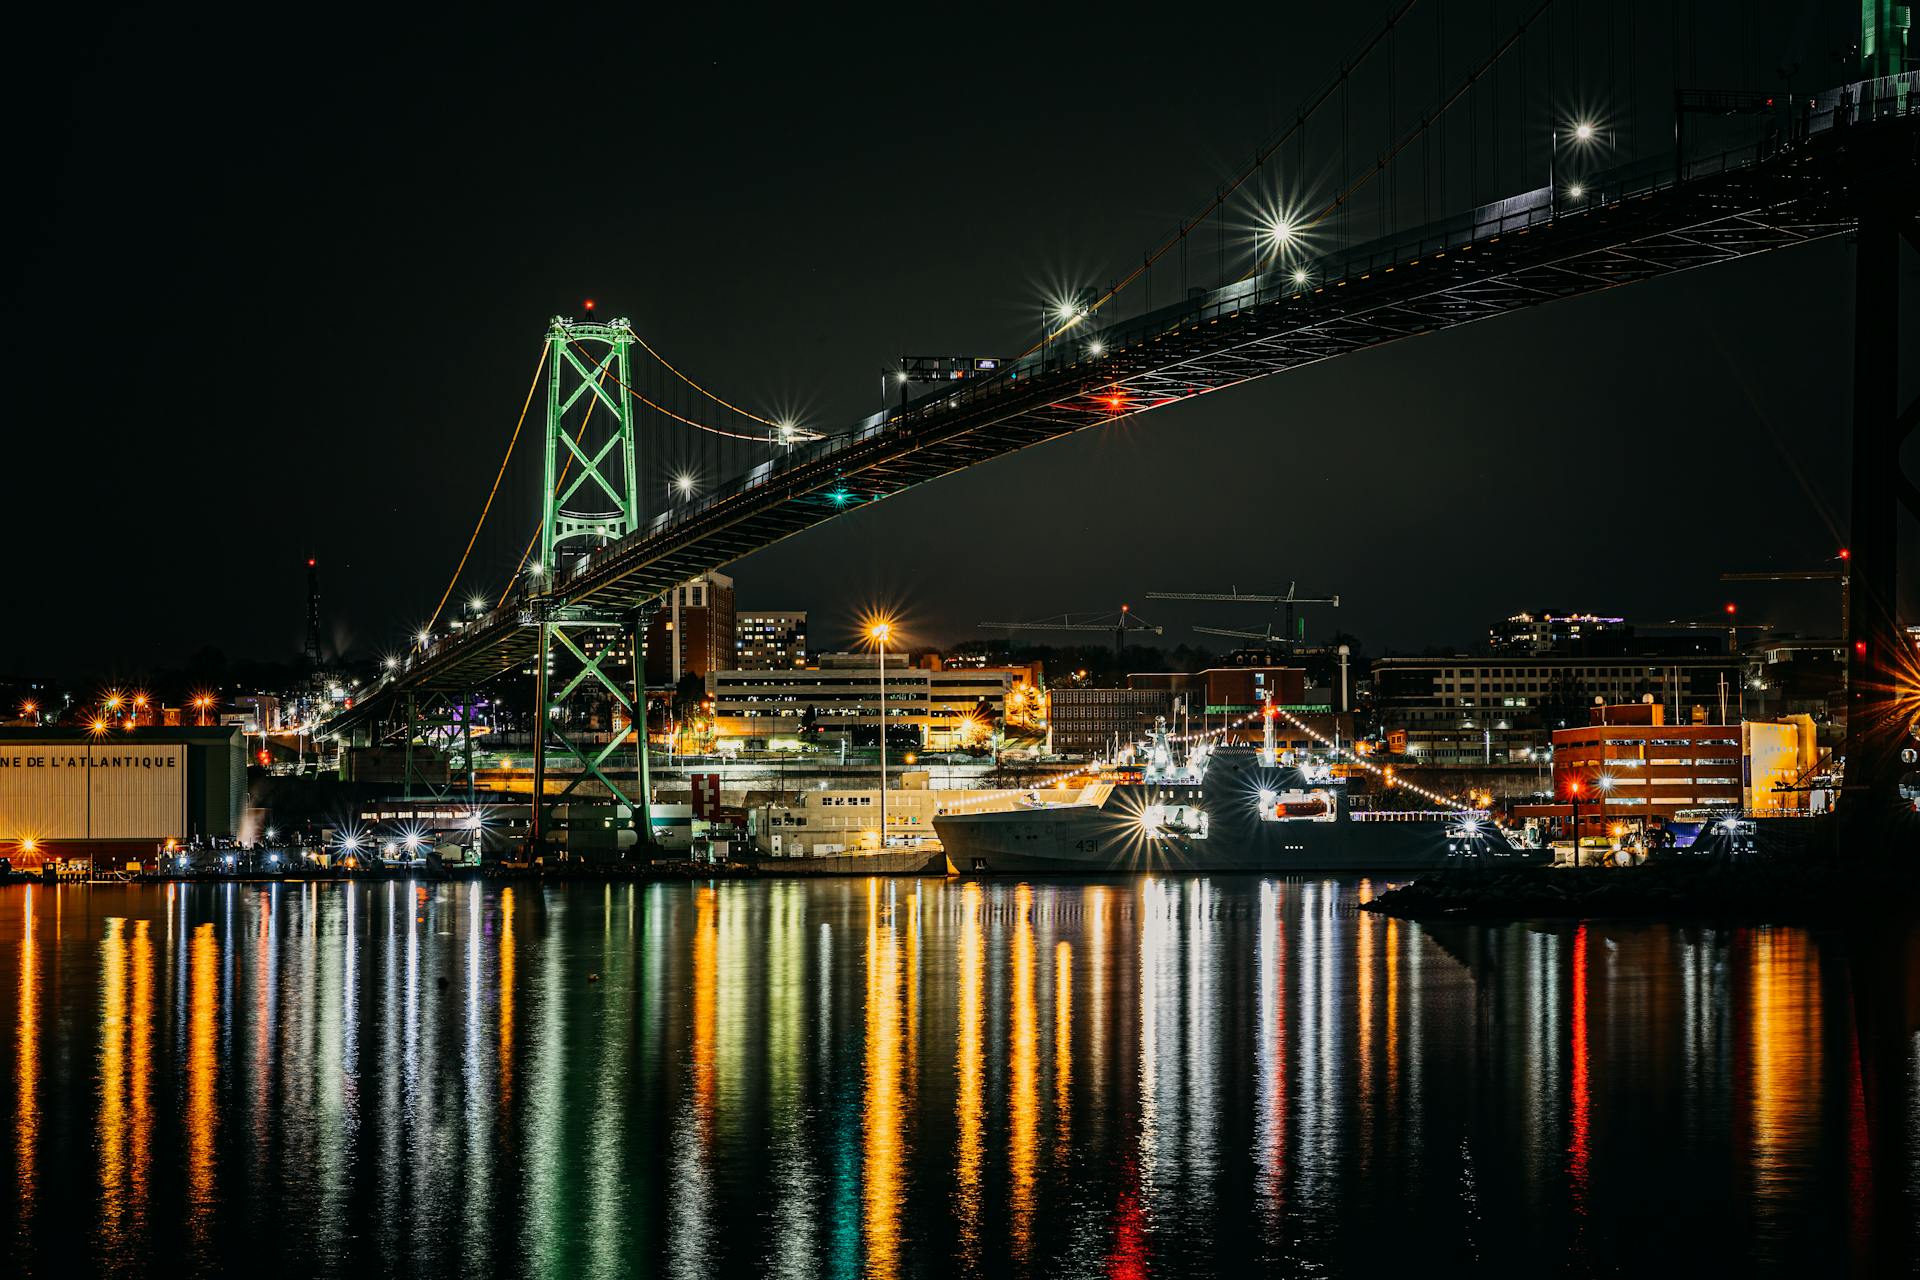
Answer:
(1573, 790)
(1582, 132)
(880, 633)
(1605, 782)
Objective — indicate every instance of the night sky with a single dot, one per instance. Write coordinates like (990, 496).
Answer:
(277, 288)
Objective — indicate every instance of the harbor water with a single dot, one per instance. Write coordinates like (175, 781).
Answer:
(923, 1077)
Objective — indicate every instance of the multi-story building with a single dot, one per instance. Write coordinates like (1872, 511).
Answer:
(1630, 768)
(1501, 710)
(1548, 631)
(1225, 691)
(693, 633)
(1798, 677)
(821, 823)
(765, 641)
(1089, 722)
(841, 699)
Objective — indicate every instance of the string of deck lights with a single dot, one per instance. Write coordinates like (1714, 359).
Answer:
(1385, 774)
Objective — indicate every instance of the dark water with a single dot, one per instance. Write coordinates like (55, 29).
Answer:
(1173, 1077)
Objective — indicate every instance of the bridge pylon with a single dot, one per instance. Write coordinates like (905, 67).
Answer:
(590, 498)
(1883, 667)
(585, 357)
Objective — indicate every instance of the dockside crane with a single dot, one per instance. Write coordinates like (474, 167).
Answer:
(1119, 623)
(1237, 596)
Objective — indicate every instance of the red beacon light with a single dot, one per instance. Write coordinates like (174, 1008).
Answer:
(588, 304)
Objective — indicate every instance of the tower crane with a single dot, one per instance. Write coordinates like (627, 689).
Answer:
(1237, 596)
(1119, 623)
(1839, 575)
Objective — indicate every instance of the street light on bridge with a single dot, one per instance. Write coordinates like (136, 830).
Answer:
(1584, 132)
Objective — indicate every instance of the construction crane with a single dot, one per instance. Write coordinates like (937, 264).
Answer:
(1839, 575)
(1237, 596)
(1119, 623)
(1266, 636)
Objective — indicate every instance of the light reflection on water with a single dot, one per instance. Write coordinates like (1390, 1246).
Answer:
(902, 1077)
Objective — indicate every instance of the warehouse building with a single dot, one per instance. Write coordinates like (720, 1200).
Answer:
(68, 793)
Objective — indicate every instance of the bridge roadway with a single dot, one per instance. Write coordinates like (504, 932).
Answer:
(1631, 225)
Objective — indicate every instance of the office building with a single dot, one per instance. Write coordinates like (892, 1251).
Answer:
(1631, 770)
(1502, 710)
(693, 631)
(840, 699)
(1088, 722)
(1549, 631)
(765, 641)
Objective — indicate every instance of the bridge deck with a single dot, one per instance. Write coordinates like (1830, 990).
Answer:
(1487, 262)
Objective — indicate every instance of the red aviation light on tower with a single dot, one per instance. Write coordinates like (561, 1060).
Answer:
(1730, 610)
(1845, 554)
(310, 562)
(588, 304)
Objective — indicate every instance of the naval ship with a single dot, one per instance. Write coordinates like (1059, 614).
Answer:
(1234, 808)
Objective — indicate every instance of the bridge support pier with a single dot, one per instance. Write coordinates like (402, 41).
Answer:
(643, 801)
(536, 810)
(1883, 677)
(600, 637)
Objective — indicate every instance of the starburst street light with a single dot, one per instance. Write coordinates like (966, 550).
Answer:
(1282, 232)
(477, 604)
(1581, 131)
(683, 484)
(880, 631)
(1300, 275)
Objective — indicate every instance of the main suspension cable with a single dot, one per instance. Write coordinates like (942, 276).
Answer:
(1260, 158)
(1458, 93)
(454, 581)
(790, 432)
(1427, 122)
(745, 413)
(566, 468)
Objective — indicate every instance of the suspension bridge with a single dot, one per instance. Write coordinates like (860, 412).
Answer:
(1844, 161)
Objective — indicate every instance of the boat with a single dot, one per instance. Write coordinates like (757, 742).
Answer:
(1234, 808)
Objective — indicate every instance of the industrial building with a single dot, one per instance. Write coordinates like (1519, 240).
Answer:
(120, 794)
